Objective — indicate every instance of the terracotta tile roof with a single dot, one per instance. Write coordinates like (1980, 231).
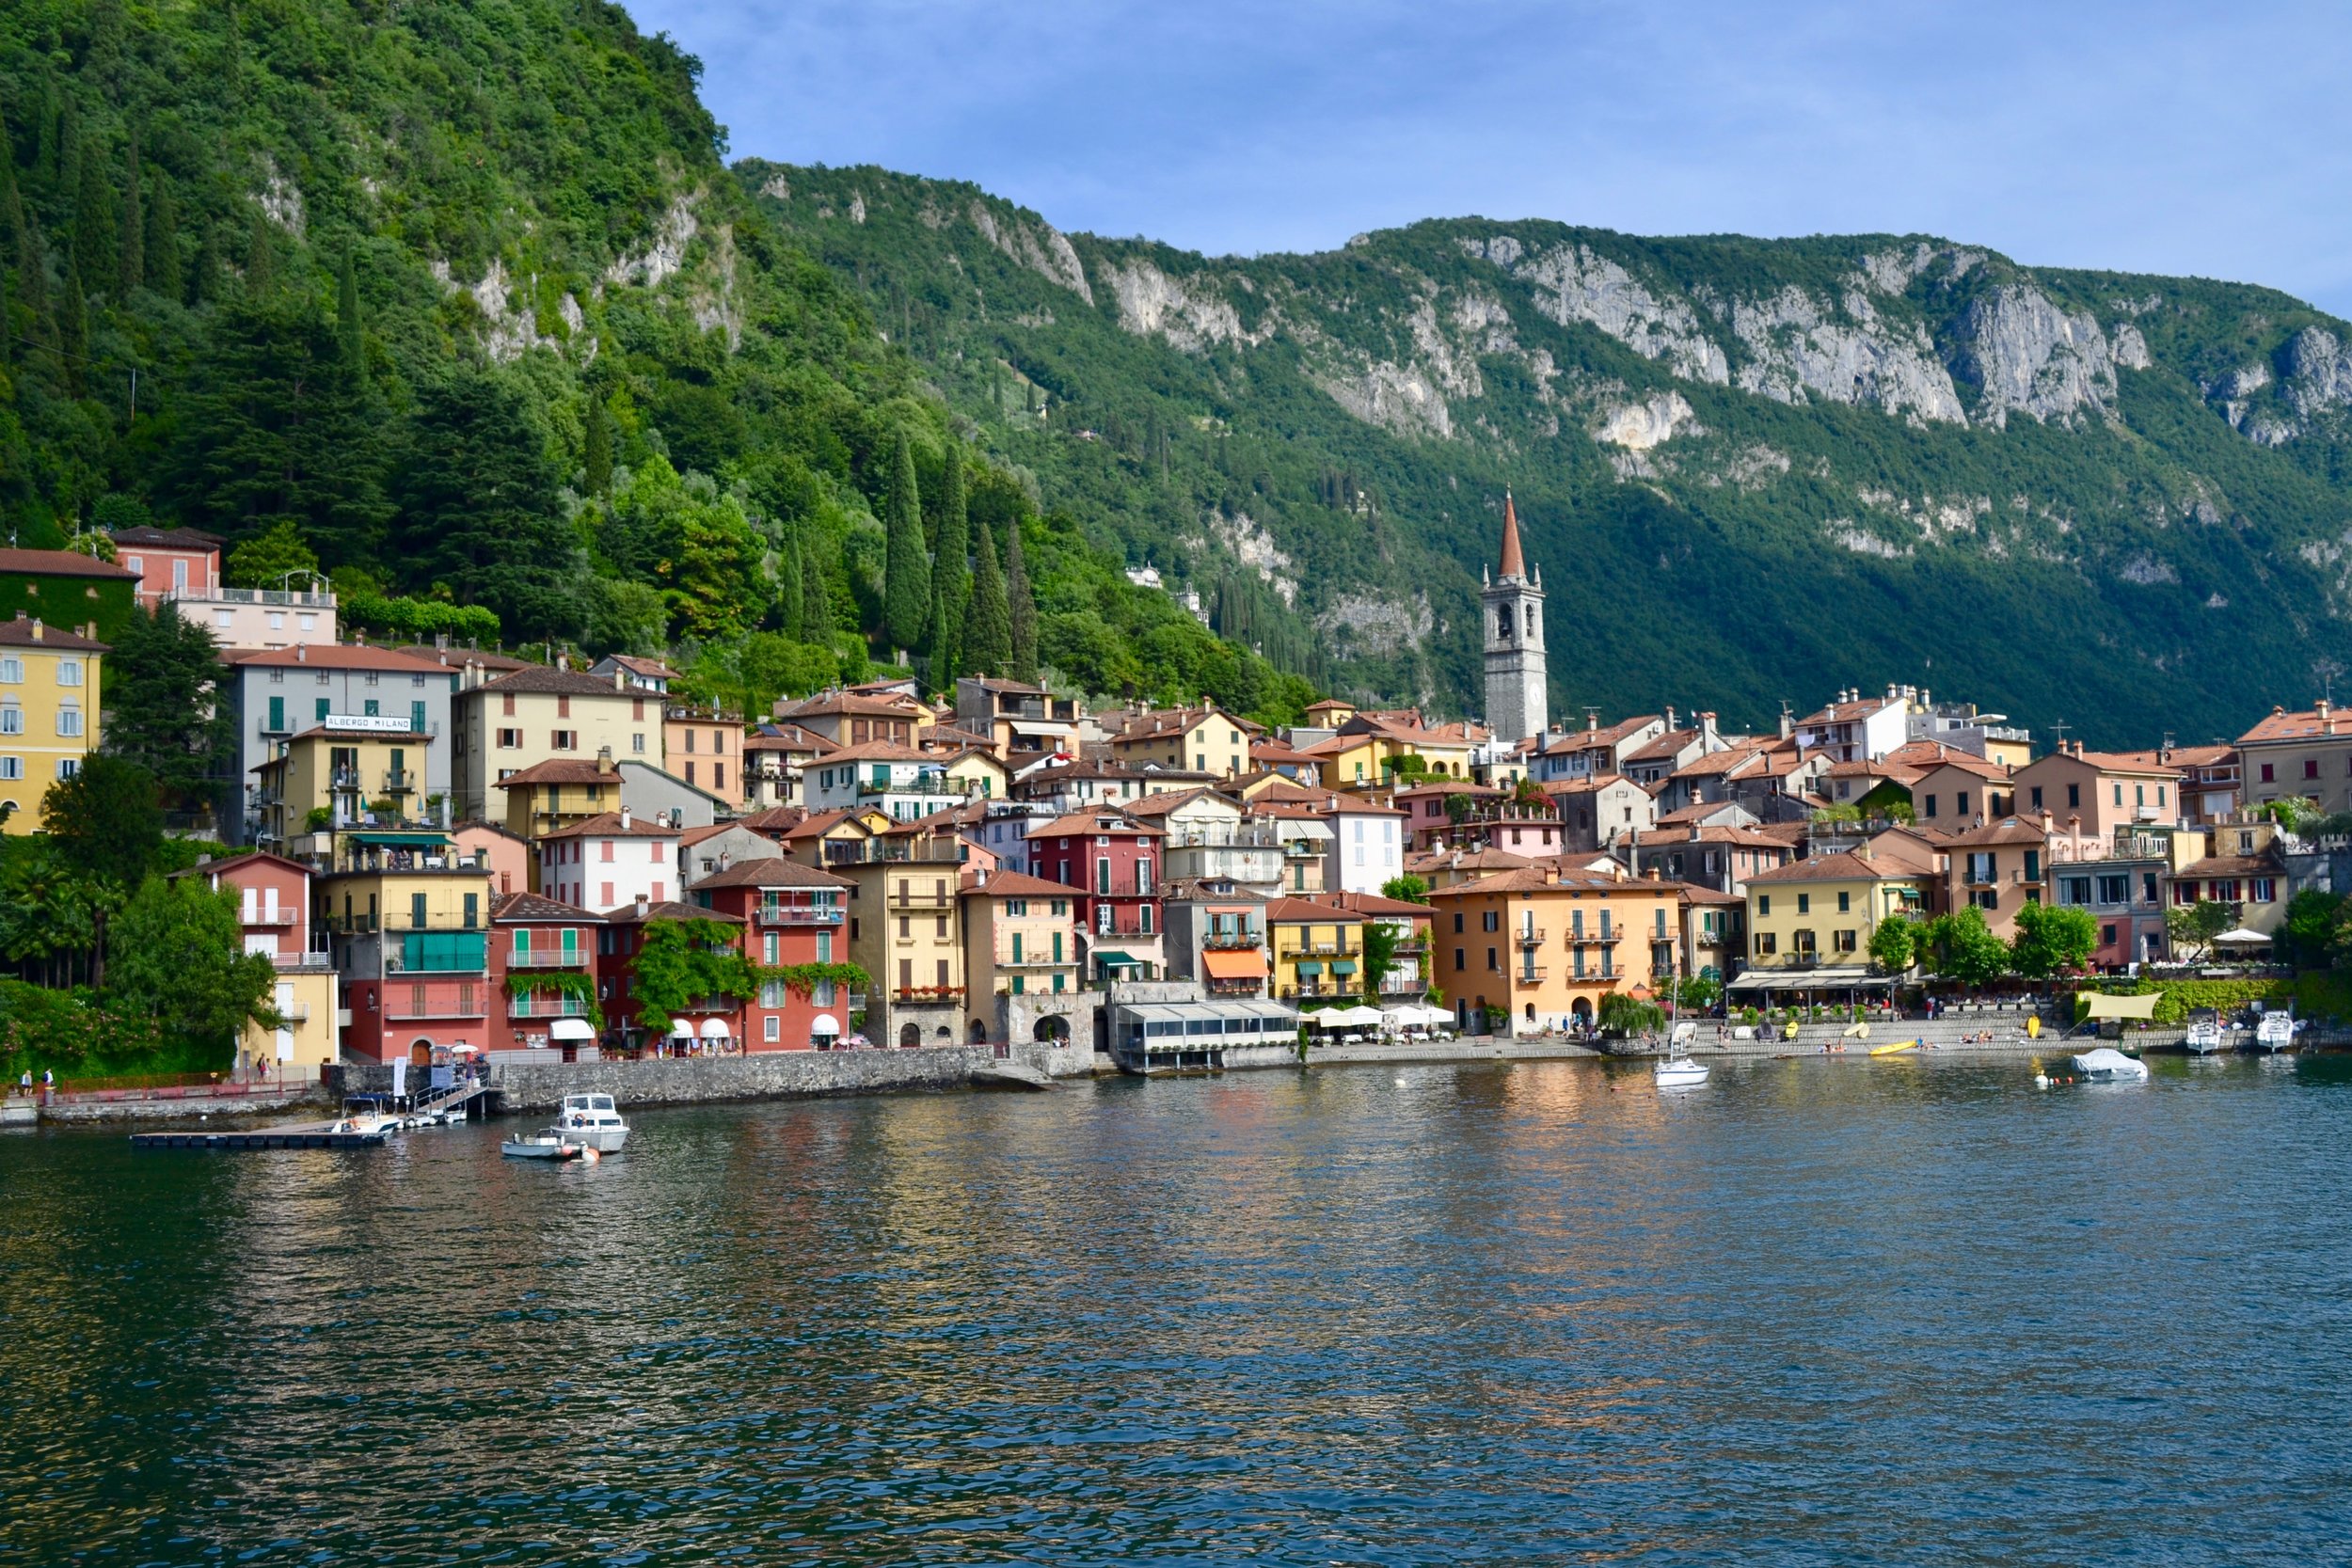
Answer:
(1370, 903)
(1693, 893)
(1465, 860)
(2008, 830)
(652, 669)
(60, 563)
(18, 633)
(769, 871)
(881, 751)
(1664, 747)
(627, 914)
(1160, 803)
(606, 824)
(457, 658)
(949, 735)
(338, 655)
(788, 737)
(1020, 884)
(1729, 763)
(1291, 912)
(1078, 824)
(1605, 735)
(1742, 838)
(2235, 865)
(530, 905)
(537, 679)
(2129, 762)
(1541, 878)
(226, 863)
(1844, 866)
(560, 770)
(170, 538)
(1846, 713)
(843, 704)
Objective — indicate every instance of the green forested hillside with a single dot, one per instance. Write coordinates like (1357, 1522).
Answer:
(455, 298)
(1750, 472)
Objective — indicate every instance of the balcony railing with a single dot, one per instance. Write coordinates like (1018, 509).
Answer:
(298, 1013)
(928, 994)
(400, 781)
(549, 958)
(1529, 936)
(798, 914)
(546, 1006)
(435, 1006)
(1597, 939)
(1033, 961)
(1227, 941)
(1132, 933)
(1531, 974)
(193, 593)
(1326, 950)
(266, 917)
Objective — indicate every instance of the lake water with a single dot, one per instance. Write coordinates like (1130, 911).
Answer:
(1816, 1312)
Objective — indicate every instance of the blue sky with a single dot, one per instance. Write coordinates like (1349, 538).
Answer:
(2212, 139)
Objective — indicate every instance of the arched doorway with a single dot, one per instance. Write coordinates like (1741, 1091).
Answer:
(909, 1034)
(421, 1052)
(1582, 1010)
(1053, 1029)
(980, 1031)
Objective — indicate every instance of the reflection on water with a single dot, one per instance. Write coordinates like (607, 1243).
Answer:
(1817, 1311)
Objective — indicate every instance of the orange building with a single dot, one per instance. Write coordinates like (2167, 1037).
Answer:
(1543, 946)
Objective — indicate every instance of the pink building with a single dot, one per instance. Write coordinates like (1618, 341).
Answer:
(609, 859)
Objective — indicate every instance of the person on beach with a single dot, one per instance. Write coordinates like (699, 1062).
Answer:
(25, 1084)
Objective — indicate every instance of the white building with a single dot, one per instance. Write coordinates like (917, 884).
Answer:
(882, 774)
(609, 861)
(1367, 845)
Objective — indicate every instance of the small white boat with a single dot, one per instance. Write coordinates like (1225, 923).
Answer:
(591, 1121)
(2276, 1032)
(2204, 1035)
(1676, 1070)
(546, 1145)
(2107, 1065)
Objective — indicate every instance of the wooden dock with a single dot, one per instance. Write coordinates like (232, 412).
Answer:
(319, 1135)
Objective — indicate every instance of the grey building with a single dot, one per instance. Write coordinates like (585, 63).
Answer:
(273, 694)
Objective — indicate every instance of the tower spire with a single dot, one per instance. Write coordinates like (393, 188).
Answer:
(1514, 564)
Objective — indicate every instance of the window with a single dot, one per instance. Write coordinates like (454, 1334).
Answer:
(2114, 888)
(1960, 802)
(2266, 890)
(2033, 865)
(1843, 940)
(2037, 797)
(1101, 874)
(1931, 804)
(1764, 904)
(562, 707)
(1766, 944)
(416, 718)
(563, 740)
(319, 709)
(2119, 794)
(12, 718)
(1981, 865)
(1985, 898)
(70, 721)
(12, 669)
(509, 741)
(1457, 923)
(69, 767)
(2310, 767)
(1458, 959)
(69, 672)
(1805, 903)
(1490, 960)
(2269, 776)
(1844, 904)
(2073, 795)
(637, 743)
(1490, 919)
(11, 768)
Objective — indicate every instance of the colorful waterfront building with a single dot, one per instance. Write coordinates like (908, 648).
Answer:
(49, 708)
(795, 918)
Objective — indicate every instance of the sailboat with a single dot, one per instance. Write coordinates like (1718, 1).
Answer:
(1676, 1070)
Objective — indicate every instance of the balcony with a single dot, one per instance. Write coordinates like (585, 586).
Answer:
(433, 1006)
(928, 994)
(1231, 942)
(272, 597)
(1529, 974)
(1125, 932)
(1034, 961)
(266, 917)
(297, 1014)
(1606, 938)
(545, 1006)
(1326, 950)
(1529, 936)
(798, 914)
(400, 781)
(551, 958)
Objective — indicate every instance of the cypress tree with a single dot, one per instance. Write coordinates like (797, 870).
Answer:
(350, 339)
(951, 575)
(817, 618)
(161, 249)
(94, 221)
(1020, 610)
(906, 566)
(595, 461)
(32, 272)
(73, 326)
(988, 627)
(261, 258)
(791, 601)
(132, 251)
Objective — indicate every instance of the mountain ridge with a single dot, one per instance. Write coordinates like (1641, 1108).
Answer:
(2063, 468)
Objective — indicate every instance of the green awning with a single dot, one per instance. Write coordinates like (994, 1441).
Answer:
(1342, 966)
(401, 840)
(1117, 960)
(1310, 969)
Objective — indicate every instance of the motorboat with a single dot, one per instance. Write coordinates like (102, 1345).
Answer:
(2274, 1032)
(591, 1121)
(2107, 1064)
(1676, 1070)
(2205, 1035)
(544, 1146)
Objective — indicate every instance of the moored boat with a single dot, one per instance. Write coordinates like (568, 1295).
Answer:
(1676, 1070)
(591, 1121)
(2204, 1035)
(544, 1146)
(2276, 1032)
(2107, 1065)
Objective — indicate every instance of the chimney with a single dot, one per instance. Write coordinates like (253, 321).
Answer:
(625, 816)
(620, 679)
(36, 632)
(1709, 740)
(644, 904)
(302, 651)
(1893, 691)
(1670, 720)
(2046, 822)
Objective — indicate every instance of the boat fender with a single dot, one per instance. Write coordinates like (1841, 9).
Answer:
(591, 1154)
(2041, 1080)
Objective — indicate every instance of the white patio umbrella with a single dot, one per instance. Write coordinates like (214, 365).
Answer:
(1354, 1018)
(2242, 938)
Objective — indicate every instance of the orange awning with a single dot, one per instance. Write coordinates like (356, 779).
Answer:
(1249, 964)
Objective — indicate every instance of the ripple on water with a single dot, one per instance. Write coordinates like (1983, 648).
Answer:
(1816, 1312)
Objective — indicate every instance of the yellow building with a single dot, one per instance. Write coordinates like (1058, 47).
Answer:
(1546, 947)
(1813, 917)
(1316, 951)
(1018, 938)
(48, 714)
(1201, 739)
(906, 931)
(500, 727)
(354, 771)
(977, 775)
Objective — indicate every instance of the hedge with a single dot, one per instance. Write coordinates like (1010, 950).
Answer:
(2319, 994)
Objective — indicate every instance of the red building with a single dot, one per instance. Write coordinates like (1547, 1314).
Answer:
(1112, 866)
(537, 940)
(706, 1026)
(171, 562)
(792, 914)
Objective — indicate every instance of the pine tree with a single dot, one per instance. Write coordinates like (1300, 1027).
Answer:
(478, 505)
(595, 459)
(988, 627)
(32, 282)
(350, 335)
(73, 326)
(1020, 610)
(157, 711)
(132, 250)
(161, 249)
(906, 568)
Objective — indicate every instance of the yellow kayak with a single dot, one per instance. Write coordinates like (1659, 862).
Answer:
(1895, 1049)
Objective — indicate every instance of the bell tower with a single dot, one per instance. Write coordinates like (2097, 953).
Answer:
(1518, 693)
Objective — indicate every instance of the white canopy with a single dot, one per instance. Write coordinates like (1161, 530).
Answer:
(1349, 1017)
(681, 1028)
(716, 1029)
(824, 1023)
(2242, 938)
(1412, 1014)
(571, 1029)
